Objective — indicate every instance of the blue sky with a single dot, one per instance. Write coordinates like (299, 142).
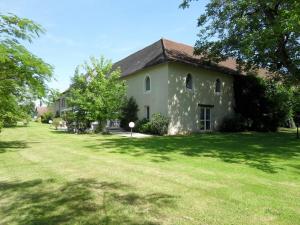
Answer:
(77, 29)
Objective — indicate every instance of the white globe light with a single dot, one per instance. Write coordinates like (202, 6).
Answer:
(131, 124)
(50, 122)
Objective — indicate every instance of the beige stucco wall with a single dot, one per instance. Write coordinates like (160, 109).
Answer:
(157, 97)
(170, 97)
(183, 109)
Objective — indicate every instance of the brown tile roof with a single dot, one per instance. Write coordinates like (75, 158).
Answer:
(169, 51)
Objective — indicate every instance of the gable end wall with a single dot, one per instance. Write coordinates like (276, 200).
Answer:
(183, 104)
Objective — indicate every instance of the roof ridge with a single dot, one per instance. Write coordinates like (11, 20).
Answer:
(176, 42)
(163, 48)
(140, 50)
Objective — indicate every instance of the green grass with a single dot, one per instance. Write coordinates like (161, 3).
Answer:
(49, 177)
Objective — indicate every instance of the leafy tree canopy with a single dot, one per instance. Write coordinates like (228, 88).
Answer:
(258, 33)
(264, 104)
(22, 74)
(129, 112)
(97, 92)
(51, 96)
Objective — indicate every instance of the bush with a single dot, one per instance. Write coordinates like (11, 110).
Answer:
(233, 124)
(139, 126)
(76, 121)
(158, 125)
(46, 117)
(26, 120)
(129, 113)
(38, 120)
(57, 122)
(10, 119)
(70, 119)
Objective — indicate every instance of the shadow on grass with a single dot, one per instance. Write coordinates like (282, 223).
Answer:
(258, 150)
(6, 146)
(59, 132)
(83, 201)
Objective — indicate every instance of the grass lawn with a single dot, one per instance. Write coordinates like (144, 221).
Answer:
(50, 177)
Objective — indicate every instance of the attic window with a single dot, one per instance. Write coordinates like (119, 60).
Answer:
(147, 83)
(189, 82)
(218, 86)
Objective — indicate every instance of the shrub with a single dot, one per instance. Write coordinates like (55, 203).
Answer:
(10, 119)
(70, 119)
(77, 121)
(158, 125)
(38, 120)
(57, 122)
(140, 124)
(26, 120)
(129, 113)
(234, 123)
(46, 117)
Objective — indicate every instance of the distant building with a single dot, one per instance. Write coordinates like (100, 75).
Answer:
(60, 105)
(41, 110)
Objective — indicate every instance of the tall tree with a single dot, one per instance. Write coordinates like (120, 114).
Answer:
(21, 72)
(51, 96)
(97, 92)
(258, 33)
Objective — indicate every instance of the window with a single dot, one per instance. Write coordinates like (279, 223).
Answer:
(205, 118)
(218, 86)
(147, 83)
(189, 82)
(147, 112)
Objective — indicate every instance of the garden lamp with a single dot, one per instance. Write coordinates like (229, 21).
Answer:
(131, 125)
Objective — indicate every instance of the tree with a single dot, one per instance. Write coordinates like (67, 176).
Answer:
(97, 92)
(78, 100)
(258, 33)
(22, 74)
(296, 108)
(129, 112)
(264, 104)
(51, 96)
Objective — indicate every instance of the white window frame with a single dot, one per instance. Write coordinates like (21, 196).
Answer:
(145, 85)
(205, 119)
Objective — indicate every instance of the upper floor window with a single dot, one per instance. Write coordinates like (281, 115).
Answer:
(189, 82)
(147, 83)
(218, 86)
